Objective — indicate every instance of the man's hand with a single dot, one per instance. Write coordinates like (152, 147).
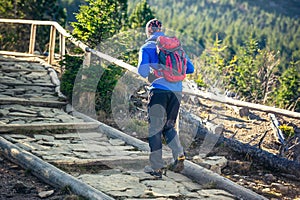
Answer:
(151, 77)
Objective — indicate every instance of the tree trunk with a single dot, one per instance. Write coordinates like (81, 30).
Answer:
(269, 160)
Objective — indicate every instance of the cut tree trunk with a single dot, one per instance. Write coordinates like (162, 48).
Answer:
(269, 160)
(265, 158)
(240, 111)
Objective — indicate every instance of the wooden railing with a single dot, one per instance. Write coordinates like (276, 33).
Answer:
(54, 28)
(63, 34)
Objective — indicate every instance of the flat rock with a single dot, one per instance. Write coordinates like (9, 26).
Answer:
(45, 194)
(116, 184)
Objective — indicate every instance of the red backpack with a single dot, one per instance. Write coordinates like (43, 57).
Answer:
(172, 59)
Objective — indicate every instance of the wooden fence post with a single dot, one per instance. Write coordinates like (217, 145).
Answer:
(62, 45)
(52, 45)
(62, 50)
(32, 39)
(87, 97)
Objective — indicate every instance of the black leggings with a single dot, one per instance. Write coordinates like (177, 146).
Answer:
(163, 109)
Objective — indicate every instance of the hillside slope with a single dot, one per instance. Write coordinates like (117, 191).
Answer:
(275, 24)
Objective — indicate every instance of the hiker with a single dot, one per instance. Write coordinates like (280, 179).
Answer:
(164, 102)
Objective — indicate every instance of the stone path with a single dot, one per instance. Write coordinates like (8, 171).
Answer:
(33, 117)
(117, 167)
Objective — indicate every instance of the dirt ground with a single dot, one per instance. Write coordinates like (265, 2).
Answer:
(255, 128)
(18, 184)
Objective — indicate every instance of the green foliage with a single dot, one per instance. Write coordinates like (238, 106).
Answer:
(288, 131)
(72, 65)
(16, 37)
(247, 70)
(71, 7)
(288, 93)
(7, 6)
(102, 24)
(99, 20)
(249, 65)
(268, 62)
(99, 79)
(214, 69)
(106, 86)
(255, 72)
(200, 82)
(32, 9)
(141, 15)
(251, 74)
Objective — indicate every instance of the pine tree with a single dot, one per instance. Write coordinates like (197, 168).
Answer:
(141, 15)
(98, 23)
(99, 20)
(288, 93)
(246, 71)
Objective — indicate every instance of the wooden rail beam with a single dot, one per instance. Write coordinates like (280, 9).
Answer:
(206, 95)
(64, 34)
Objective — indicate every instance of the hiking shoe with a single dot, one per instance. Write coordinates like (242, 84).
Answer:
(155, 173)
(178, 165)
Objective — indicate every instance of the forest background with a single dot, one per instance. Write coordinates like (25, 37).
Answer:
(250, 48)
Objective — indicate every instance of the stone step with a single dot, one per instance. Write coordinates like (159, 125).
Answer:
(27, 84)
(21, 70)
(32, 102)
(49, 173)
(19, 55)
(19, 89)
(4, 128)
(126, 162)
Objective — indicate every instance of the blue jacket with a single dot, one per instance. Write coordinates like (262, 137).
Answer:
(148, 59)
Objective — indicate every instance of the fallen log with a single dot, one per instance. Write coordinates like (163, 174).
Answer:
(269, 160)
(29, 128)
(47, 172)
(204, 176)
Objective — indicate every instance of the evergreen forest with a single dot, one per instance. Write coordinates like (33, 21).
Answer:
(250, 48)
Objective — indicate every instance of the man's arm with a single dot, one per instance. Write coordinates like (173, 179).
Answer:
(143, 63)
(190, 67)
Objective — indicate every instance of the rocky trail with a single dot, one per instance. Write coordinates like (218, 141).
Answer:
(44, 137)
(49, 150)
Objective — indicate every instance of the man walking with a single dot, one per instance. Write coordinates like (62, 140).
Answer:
(163, 106)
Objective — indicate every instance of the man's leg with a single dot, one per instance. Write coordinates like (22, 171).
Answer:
(174, 143)
(156, 117)
(155, 143)
(170, 133)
